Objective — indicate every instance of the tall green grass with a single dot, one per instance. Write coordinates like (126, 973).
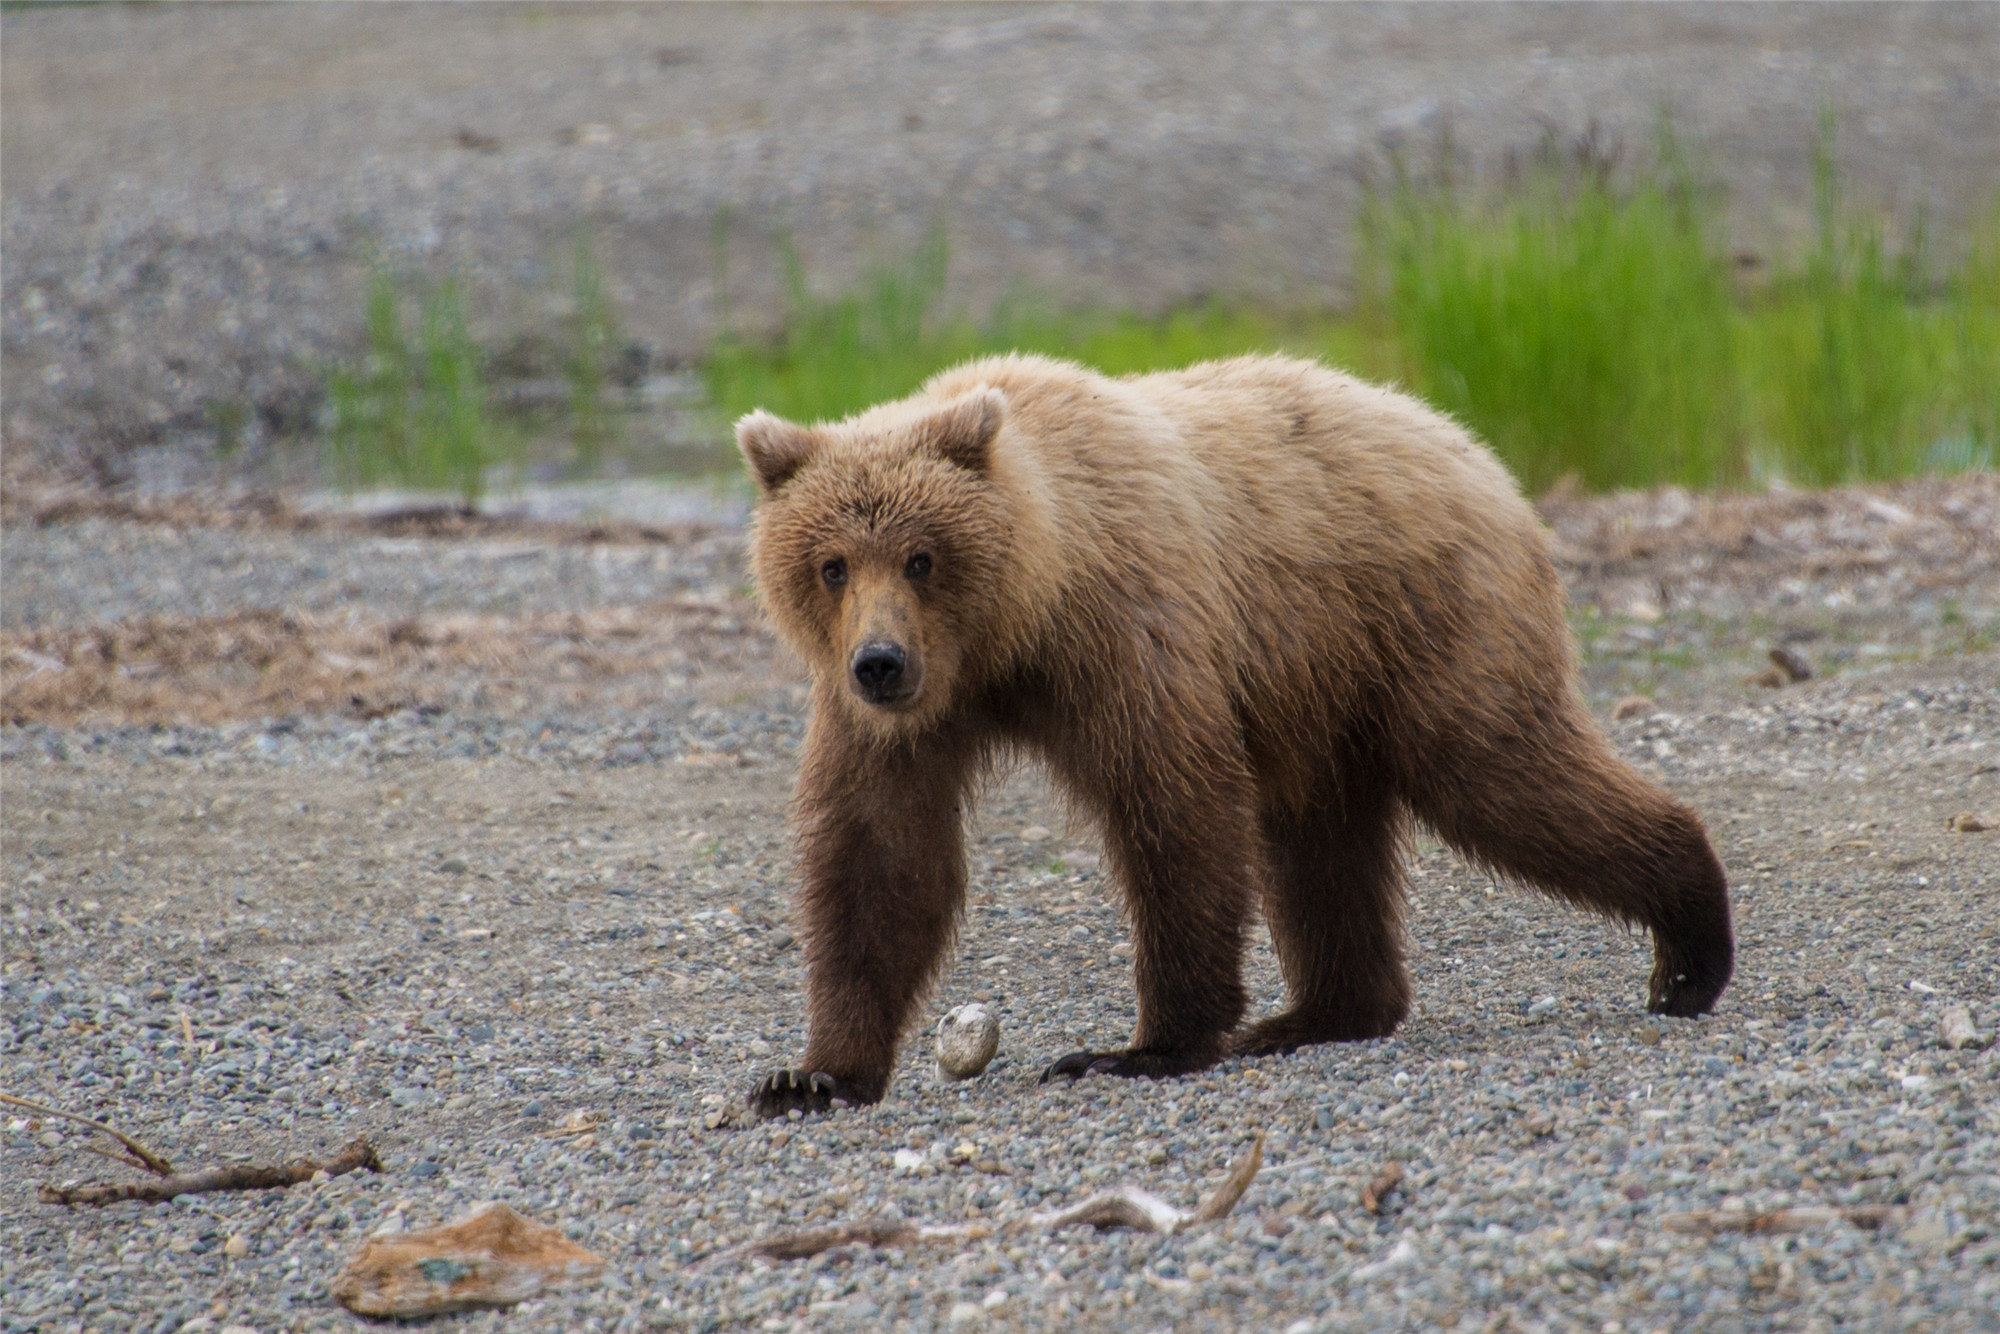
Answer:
(595, 336)
(413, 411)
(1582, 316)
(1580, 324)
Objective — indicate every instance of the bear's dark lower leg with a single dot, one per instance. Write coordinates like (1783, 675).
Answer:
(1334, 904)
(1567, 816)
(1186, 862)
(881, 878)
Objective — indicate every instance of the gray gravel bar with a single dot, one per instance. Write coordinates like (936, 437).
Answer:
(451, 931)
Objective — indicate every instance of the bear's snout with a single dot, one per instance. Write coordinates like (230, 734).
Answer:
(883, 673)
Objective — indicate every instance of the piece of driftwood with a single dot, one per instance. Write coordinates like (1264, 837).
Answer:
(355, 1157)
(490, 1257)
(1786, 1220)
(1376, 1192)
(881, 1233)
(1123, 1206)
(1128, 1206)
(135, 1155)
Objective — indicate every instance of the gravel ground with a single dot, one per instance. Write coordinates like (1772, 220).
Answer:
(193, 193)
(451, 929)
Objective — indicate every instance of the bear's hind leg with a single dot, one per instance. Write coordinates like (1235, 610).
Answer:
(1334, 905)
(1560, 811)
(1179, 842)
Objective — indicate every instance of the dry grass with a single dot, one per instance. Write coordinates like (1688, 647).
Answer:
(1939, 534)
(1943, 532)
(263, 663)
(30, 501)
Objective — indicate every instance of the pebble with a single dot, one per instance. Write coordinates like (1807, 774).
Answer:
(967, 1040)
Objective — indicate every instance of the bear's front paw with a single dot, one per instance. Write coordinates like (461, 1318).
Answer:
(1128, 1064)
(801, 1091)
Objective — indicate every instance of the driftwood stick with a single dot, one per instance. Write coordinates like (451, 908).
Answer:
(1123, 1206)
(1798, 1219)
(356, 1156)
(141, 1156)
(1224, 1197)
(886, 1234)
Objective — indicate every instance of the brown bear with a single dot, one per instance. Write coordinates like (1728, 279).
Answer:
(1255, 615)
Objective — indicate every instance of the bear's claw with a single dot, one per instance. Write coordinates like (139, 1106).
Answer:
(788, 1090)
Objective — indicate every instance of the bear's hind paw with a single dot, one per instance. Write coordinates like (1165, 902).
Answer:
(785, 1091)
(1128, 1064)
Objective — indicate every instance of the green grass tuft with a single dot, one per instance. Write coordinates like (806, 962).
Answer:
(412, 412)
(595, 336)
(1580, 325)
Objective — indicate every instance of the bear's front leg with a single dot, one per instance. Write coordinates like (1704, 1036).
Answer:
(881, 879)
(1181, 843)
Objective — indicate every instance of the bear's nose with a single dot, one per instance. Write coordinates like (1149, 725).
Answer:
(878, 668)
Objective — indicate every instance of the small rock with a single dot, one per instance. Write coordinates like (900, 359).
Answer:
(490, 1257)
(1958, 1030)
(759, 1047)
(411, 1098)
(424, 1171)
(1543, 1008)
(1795, 665)
(1966, 822)
(237, 1329)
(1401, 1256)
(1648, 1035)
(1632, 706)
(643, 1130)
(534, 1108)
(236, 1247)
(964, 1313)
(1915, 1083)
(1036, 833)
(967, 1040)
(453, 866)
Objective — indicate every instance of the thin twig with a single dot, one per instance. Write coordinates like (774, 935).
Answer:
(356, 1156)
(1124, 1206)
(1796, 1219)
(142, 1157)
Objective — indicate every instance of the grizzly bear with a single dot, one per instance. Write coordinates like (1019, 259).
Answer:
(1255, 616)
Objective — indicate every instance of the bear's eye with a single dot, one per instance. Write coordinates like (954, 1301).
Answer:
(834, 572)
(919, 566)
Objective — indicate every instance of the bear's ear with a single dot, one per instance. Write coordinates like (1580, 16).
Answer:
(774, 447)
(963, 432)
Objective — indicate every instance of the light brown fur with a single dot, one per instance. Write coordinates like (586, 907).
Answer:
(1255, 615)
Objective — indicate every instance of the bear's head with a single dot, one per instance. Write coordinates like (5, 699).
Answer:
(882, 547)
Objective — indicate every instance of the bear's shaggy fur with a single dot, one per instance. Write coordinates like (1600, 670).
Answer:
(1255, 615)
